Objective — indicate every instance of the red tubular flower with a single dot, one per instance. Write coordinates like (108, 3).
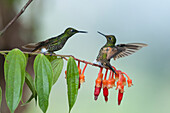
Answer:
(82, 77)
(113, 80)
(97, 92)
(122, 88)
(104, 83)
(119, 84)
(120, 96)
(129, 81)
(109, 84)
(110, 81)
(98, 84)
(123, 80)
(105, 93)
(99, 78)
(120, 77)
(117, 74)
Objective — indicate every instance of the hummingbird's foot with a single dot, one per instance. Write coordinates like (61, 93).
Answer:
(51, 53)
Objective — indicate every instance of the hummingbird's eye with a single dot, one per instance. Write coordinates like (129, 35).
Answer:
(72, 30)
(110, 38)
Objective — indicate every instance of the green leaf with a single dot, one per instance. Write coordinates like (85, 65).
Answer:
(43, 80)
(29, 100)
(57, 66)
(0, 96)
(14, 69)
(30, 82)
(72, 81)
(26, 56)
(51, 58)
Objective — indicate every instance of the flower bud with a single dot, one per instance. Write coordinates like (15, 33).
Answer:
(105, 93)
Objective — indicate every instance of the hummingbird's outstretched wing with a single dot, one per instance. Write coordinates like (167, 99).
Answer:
(122, 50)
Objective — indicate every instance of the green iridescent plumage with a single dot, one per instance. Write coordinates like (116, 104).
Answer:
(110, 50)
(54, 43)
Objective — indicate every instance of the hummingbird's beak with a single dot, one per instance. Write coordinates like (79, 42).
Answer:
(82, 31)
(101, 33)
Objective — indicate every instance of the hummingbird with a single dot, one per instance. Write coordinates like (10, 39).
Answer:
(52, 44)
(110, 50)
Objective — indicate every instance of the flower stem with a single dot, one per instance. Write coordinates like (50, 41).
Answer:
(126, 75)
(84, 68)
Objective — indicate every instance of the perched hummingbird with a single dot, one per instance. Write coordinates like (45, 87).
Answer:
(110, 50)
(54, 43)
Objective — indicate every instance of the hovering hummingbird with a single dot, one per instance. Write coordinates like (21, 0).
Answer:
(54, 43)
(110, 50)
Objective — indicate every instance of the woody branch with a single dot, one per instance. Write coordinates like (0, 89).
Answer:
(16, 17)
(62, 56)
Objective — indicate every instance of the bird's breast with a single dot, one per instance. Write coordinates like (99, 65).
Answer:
(107, 49)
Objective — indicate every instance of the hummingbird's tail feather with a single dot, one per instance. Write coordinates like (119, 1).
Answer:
(110, 67)
(33, 47)
(30, 46)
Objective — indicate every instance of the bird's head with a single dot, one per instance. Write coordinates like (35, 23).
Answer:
(110, 38)
(71, 31)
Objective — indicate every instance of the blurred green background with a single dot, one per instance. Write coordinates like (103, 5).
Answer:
(145, 21)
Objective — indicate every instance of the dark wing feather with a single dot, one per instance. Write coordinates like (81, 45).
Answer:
(122, 50)
(36, 46)
(47, 42)
(40, 45)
